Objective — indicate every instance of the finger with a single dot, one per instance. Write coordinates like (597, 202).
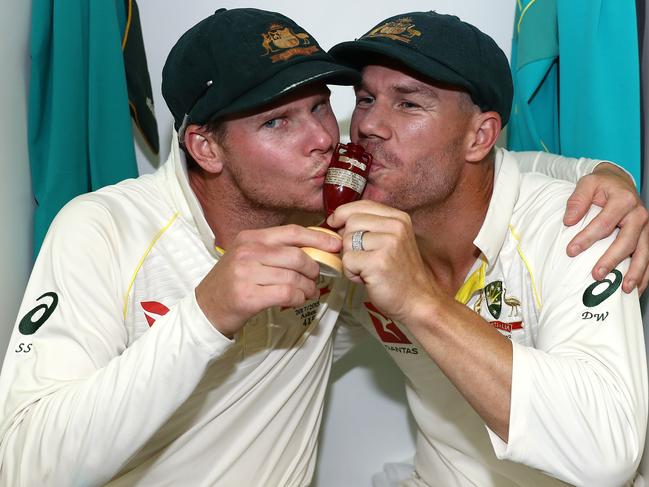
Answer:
(355, 279)
(397, 224)
(579, 202)
(600, 227)
(355, 264)
(643, 283)
(272, 276)
(370, 241)
(281, 295)
(342, 214)
(366, 223)
(631, 279)
(619, 250)
(292, 235)
(638, 268)
(291, 258)
(643, 246)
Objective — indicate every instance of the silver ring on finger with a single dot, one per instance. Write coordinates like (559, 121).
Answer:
(357, 240)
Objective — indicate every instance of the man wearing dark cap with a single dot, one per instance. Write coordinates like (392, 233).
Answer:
(521, 370)
(129, 364)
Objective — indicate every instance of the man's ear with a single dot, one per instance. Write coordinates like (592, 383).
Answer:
(204, 149)
(484, 132)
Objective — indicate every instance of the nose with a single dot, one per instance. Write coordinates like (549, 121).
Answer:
(370, 122)
(321, 135)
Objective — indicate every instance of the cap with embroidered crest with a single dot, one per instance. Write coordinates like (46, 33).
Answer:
(239, 60)
(441, 48)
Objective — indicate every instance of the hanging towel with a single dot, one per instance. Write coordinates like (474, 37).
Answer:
(577, 80)
(79, 128)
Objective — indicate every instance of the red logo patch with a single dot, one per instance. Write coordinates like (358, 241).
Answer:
(153, 308)
(508, 327)
(388, 331)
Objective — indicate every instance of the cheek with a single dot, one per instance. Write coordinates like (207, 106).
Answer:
(353, 126)
(420, 139)
(264, 157)
(331, 126)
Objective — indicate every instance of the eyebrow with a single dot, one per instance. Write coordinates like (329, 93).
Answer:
(283, 109)
(271, 113)
(406, 89)
(410, 89)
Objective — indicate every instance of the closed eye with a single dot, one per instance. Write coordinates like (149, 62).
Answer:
(364, 100)
(408, 105)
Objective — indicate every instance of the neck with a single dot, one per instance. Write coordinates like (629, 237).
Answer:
(227, 211)
(445, 232)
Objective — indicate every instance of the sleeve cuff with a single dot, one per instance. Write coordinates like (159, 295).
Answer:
(514, 448)
(203, 333)
(596, 162)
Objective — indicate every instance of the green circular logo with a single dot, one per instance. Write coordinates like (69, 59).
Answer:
(605, 288)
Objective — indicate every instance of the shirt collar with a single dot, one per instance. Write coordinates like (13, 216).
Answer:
(506, 188)
(188, 202)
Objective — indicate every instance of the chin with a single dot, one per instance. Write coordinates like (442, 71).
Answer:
(305, 206)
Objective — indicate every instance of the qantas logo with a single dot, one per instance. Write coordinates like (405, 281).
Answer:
(507, 327)
(387, 329)
(153, 310)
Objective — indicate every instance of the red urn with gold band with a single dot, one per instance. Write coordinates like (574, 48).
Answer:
(344, 182)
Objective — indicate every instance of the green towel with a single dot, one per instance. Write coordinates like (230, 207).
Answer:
(79, 128)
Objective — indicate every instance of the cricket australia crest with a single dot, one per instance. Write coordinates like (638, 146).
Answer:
(281, 43)
(399, 30)
(494, 296)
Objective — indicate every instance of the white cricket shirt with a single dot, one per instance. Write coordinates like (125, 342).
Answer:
(113, 371)
(579, 386)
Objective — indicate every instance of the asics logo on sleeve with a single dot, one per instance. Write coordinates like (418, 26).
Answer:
(34, 319)
(600, 291)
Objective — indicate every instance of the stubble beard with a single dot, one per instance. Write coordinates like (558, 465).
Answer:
(255, 195)
(432, 180)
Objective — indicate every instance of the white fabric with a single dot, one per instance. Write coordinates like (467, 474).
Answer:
(556, 166)
(560, 167)
(127, 383)
(579, 392)
(98, 394)
(393, 474)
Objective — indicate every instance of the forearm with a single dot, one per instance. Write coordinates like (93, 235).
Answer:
(474, 356)
(82, 432)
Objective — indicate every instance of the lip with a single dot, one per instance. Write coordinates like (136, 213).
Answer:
(371, 149)
(320, 175)
(318, 181)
